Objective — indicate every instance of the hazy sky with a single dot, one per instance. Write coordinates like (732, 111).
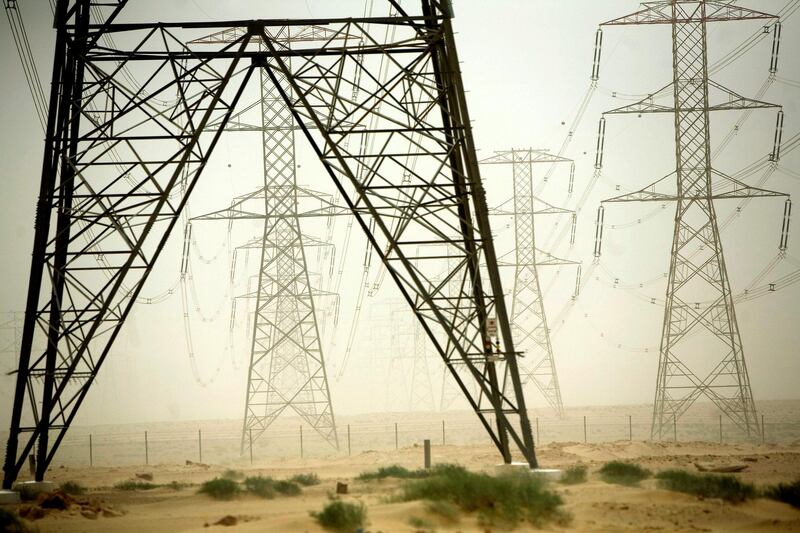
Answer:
(526, 66)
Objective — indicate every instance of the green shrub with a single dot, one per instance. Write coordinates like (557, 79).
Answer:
(393, 471)
(234, 475)
(419, 523)
(728, 488)
(341, 516)
(260, 486)
(287, 488)
(504, 500)
(176, 485)
(266, 487)
(305, 480)
(622, 473)
(574, 475)
(220, 488)
(73, 487)
(133, 484)
(447, 510)
(11, 523)
(785, 492)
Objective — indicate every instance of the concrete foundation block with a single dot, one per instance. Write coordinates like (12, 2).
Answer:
(9, 497)
(29, 490)
(553, 474)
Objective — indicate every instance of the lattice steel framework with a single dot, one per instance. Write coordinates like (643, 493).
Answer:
(287, 366)
(11, 332)
(421, 389)
(528, 318)
(115, 156)
(698, 289)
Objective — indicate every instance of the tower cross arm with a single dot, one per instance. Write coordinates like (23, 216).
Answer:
(286, 34)
(527, 155)
(540, 208)
(240, 210)
(731, 100)
(723, 187)
(686, 11)
(548, 259)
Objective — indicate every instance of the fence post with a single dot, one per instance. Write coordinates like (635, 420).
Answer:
(199, 446)
(349, 450)
(91, 458)
(301, 441)
(585, 439)
(537, 431)
(443, 435)
(630, 428)
(427, 451)
(763, 430)
(674, 428)
(720, 429)
(396, 438)
(146, 451)
(250, 431)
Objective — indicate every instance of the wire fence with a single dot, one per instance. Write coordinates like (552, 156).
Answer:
(220, 442)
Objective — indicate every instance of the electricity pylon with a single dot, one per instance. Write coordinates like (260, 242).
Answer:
(287, 367)
(120, 163)
(11, 332)
(528, 318)
(421, 396)
(698, 299)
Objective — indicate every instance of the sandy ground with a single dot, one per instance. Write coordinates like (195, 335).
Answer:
(595, 505)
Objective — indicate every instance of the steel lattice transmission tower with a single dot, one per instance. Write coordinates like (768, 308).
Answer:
(119, 166)
(421, 394)
(528, 318)
(699, 319)
(449, 389)
(10, 330)
(286, 370)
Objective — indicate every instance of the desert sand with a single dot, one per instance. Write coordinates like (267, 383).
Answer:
(594, 505)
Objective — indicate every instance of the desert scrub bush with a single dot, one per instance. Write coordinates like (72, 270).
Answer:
(621, 473)
(133, 484)
(393, 471)
(11, 523)
(305, 480)
(445, 509)
(73, 487)
(234, 475)
(260, 486)
(504, 500)
(341, 516)
(176, 485)
(266, 487)
(785, 492)
(728, 488)
(220, 488)
(287, 488)
(574, 475)
(419, 523)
